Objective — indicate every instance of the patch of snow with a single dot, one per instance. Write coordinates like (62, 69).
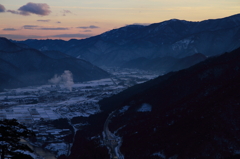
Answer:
(60, 148)
(95, 137)
(71, 101)
(124, 109)
(3, 143)
(159, 154)
(118, 129)
(182, 44)
(116, 150)
(17, 97)
(145, 108)
(103, 134)
(28, 153)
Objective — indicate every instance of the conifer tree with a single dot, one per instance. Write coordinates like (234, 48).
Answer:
(10, 134)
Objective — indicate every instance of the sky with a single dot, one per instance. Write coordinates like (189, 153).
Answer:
(78, 19)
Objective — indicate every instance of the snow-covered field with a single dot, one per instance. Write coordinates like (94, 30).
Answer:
(31, 105)
(51, 102)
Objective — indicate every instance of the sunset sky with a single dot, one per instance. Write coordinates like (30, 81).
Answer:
(66, 19)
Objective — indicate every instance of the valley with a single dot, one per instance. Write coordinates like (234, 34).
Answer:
(37, 107)
(167, 90)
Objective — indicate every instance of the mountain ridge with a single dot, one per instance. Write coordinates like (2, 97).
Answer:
(176, 38)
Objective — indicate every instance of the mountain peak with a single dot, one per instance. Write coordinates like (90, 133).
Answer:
(174, 20)
(7, 45)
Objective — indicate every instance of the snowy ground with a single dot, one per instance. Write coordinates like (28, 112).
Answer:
(47, 102)
(33, 103)
(50, 102)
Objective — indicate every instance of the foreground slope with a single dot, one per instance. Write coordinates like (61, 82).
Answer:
(175, 38)
(192, 114)
(26, 66)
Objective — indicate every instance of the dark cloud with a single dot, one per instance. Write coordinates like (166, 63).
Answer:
(72, 36)
(30, 26)
(44, 20)
(35, 8)
(66, 12)
(23, 37)
(53, 28)
(87, 31)
(83, 27)
(88, 27)
(17, 12)
(58, 22)
(20, 37)
(93, 27)
(2, 8)
(9, 29)
(36, 27)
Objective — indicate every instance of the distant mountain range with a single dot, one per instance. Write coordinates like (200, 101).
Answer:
(24, 66)
(192, 113)
(173, 38)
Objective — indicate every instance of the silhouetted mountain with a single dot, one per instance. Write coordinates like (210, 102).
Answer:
(175, 38)
(6, 45)
(192, 113)
(164, 65)
(25, 66)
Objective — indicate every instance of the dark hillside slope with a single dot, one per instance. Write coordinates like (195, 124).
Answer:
(6, 45)
(194, 112)
(163, 65)
(26, 66)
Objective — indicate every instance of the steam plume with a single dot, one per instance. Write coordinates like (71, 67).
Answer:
(66, 78)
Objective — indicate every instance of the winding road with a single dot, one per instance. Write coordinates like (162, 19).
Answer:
(112, 141)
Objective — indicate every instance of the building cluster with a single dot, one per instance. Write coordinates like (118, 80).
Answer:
(47, 133)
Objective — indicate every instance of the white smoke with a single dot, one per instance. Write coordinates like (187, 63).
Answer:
(55, 80)
(66, 78)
